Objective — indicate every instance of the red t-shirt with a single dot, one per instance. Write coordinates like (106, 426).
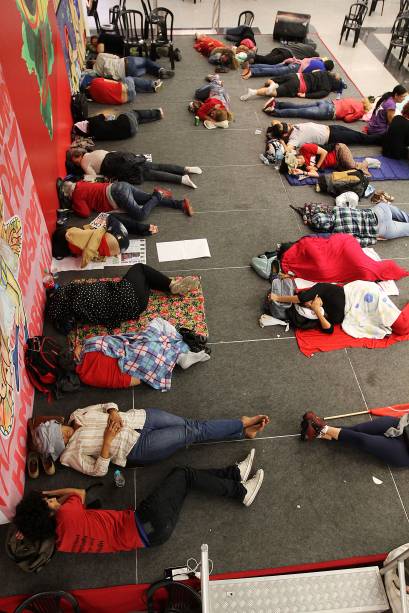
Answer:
(80, 530)
(106, 91)
(88, 197)
(310, 150)
(99, 370)
(348, 109)
(208, 106)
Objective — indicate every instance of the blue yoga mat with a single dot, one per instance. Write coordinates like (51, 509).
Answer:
(390, 170)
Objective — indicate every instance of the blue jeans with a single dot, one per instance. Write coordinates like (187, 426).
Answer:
(392, 222)
(213, 90)
(137, 203)
(271, 70)
(318, 109)
(136, 85)
(138, 66)
(369, 437)
(163, 434)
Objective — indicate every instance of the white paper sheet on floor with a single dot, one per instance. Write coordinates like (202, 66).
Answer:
(135, 254)
(183, 250)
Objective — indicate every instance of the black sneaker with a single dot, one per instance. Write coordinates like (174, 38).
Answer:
(165, 73)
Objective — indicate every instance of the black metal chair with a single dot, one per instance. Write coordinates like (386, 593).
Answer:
(159, 22)
(353, 21)
(92, 11)
(374, 4)
(49, 602)
(131, 28)
(246, 18)
(403, 7)
(399, 37)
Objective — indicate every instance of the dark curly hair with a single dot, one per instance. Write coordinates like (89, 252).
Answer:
(33, 517)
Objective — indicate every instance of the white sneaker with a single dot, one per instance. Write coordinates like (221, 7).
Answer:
(245, 466)
(252, 487)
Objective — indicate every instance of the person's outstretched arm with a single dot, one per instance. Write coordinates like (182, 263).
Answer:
(66, 492)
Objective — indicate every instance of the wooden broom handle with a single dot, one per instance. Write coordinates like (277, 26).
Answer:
(346, 415)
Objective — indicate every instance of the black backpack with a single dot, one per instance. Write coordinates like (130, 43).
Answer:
(49, 368)
(79, 107)
(30, 556)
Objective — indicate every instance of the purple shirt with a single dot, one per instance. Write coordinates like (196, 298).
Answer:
(378, 123)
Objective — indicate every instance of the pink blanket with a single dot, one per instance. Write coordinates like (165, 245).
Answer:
(338, 259)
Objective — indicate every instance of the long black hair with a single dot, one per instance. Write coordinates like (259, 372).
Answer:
(398, 90)
(33, 517)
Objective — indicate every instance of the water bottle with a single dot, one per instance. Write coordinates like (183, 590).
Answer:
(119, 479)
(48, 279)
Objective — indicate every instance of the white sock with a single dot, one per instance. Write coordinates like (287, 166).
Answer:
(250, 94)
(323, 432)
(266, 320)
(373, 162)
(271, 89)
(186, 180)
(186, 360)
(193, 170)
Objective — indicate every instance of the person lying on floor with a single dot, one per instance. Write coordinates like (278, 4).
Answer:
(131, 167)
(381, 222)
(396, 139)
(316, 84)
(62, 514)
(347, 109)
(109, 303)
(362, 308)
(333, 258)
(118, 68)
(212, 104)
(296, 135)
(381, 437)
(311, 158)
(308, 64)
(148, 355)
(89, 196)
(96, 244)
(110, 127)
(240, 33)
(107, 91)
(101, 433)
(385, 109)
(221, 54)
(277, 55)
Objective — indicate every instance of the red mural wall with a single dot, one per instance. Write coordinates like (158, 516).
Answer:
(24, 253)
(46, 155)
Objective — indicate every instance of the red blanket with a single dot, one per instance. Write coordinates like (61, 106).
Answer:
(338, 259)
(311, 341)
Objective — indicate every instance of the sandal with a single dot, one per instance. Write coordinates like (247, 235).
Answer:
(33, 466)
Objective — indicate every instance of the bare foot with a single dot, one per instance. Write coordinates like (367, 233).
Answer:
(252, 431)
(153, 229)
(253, 425)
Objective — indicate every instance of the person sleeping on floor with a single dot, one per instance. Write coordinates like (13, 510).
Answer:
(362, 308)
(212, 104)
(109, 303)
(382, 437)
(311, 158)
(61, 515)
(223, 55)
(146, 356)
(100, 434)
(318, 84)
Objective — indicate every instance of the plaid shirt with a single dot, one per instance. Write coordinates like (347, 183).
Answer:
(83, 450)
(149, 355)
(362, 223)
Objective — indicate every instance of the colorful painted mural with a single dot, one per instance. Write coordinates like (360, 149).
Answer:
(73, 36)
(24, 253)
(38, 51)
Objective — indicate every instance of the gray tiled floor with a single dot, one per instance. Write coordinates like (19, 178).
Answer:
(318, 501)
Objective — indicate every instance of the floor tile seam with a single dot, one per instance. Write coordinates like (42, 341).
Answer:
(252, 340)
(253, 441)
(370, 416)
(230, 211)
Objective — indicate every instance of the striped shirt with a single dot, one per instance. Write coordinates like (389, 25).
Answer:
(84, 447)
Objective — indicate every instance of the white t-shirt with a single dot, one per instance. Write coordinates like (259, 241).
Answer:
(309, 132)
(110, 66)
(91, 162)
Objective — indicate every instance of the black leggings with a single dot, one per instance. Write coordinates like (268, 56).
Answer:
(369, 437)
(160, 511)
(342, 134)
(172, 173)
(288, 85)
(144, 278)
(276, 56)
